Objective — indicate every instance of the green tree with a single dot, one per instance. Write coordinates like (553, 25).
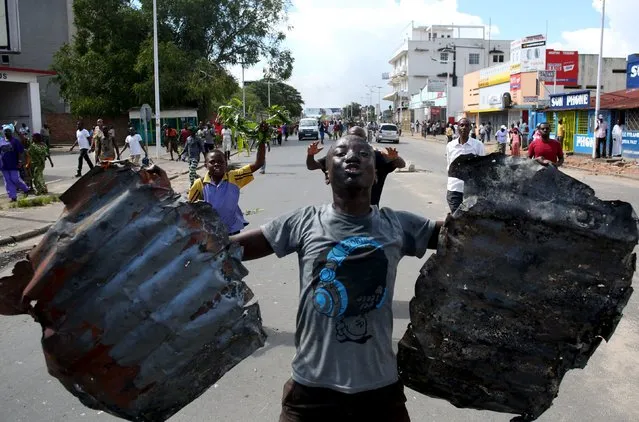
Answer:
(227, 32)
(108, 67)
(352, 110)
(96, 71)
(281, 94)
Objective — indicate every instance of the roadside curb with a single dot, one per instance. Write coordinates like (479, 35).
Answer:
(25, 236)
(41, 230)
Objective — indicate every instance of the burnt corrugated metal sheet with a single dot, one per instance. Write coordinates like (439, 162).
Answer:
(139, 294)
(530, 274)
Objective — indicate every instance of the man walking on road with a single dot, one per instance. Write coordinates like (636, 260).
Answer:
(194, 148)
(348, 253)
(134, 142)
(82, 141)
(460, 146)
(12, 158)
(502, 139)
(545, 150)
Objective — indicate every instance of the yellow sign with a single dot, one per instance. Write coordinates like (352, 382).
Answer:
(495, 75)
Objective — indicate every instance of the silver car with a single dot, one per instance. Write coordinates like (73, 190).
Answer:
(388, 132)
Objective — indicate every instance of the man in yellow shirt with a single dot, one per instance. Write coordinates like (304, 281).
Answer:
(561, 131)
(220, 187)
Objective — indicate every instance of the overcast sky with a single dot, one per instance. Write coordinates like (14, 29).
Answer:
(340, 46)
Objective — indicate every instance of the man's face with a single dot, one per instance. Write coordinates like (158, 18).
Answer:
(464, 128)
(216, 164)
(544, 129)
(351, 163)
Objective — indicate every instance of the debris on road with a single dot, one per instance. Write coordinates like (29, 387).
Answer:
(530, 274)
(612, 166)
(128, 326)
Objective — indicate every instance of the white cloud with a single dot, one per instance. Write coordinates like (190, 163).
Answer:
(342, 45)
(619, 31)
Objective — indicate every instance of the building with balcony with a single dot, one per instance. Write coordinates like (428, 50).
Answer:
(431, 62)
(33, 31)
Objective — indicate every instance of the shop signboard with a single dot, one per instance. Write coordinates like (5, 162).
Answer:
(632, 73)
(546, 76)
(490, 98)
(630, 144)
(436, 85)
(515, 82)
(566, 64)
(573, 100)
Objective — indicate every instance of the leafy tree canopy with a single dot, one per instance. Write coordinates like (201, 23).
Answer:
(108, 68)
(281, 94)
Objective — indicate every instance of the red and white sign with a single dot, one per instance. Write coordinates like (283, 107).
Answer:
(566, 64)
(515, 82)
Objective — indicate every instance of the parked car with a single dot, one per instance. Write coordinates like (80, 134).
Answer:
(308, 129)
(388, 132)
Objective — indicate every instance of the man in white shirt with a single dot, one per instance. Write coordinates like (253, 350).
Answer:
(227, 141)
(134, 143)
(617, 139)
(82, 140)
(460, 146)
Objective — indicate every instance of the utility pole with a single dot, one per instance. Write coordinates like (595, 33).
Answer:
(243, 92)
(598, 95)
(156, 74)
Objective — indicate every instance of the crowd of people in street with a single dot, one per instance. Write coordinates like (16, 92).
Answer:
(23, 157)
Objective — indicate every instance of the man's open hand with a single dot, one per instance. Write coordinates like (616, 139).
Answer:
(313, 149)
(390, 154)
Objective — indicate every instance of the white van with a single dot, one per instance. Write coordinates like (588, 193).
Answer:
(308, 129)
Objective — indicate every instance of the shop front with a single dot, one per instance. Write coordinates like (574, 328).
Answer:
(573, 110)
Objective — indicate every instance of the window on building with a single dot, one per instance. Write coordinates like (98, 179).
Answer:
(632, 119)
(443, 56)
(473, 58)
(582, 122)
(498, 58)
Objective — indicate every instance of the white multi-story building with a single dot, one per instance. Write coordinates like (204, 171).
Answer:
(428, 68)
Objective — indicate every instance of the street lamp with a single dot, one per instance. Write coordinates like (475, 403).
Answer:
(156, 74)
(598, 95)
(268, 83)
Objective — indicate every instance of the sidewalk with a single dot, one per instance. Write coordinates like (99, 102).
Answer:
(17, 224)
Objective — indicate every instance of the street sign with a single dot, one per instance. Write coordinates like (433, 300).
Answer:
(546, 75)
(531, 99)
(428, 103)
(146, 116)
(146, 113)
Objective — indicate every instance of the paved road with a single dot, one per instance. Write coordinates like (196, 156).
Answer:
(607, 389)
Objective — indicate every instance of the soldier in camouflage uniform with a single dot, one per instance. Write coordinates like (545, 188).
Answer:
(38, 153)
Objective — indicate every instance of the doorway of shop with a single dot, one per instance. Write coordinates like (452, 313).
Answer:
(569, 121)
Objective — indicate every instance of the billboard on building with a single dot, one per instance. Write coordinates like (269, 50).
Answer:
(528, 54)
(494, 75)
(632, 72)
(9, 27)
(566, 66)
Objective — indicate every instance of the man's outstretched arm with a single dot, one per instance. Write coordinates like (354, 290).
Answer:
(254, 243)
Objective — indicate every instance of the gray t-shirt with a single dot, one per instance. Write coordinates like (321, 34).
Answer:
(347, 277)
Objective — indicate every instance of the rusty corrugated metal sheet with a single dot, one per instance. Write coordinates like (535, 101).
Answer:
(139, 294)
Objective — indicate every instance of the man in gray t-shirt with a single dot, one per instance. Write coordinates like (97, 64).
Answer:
(348, 254)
